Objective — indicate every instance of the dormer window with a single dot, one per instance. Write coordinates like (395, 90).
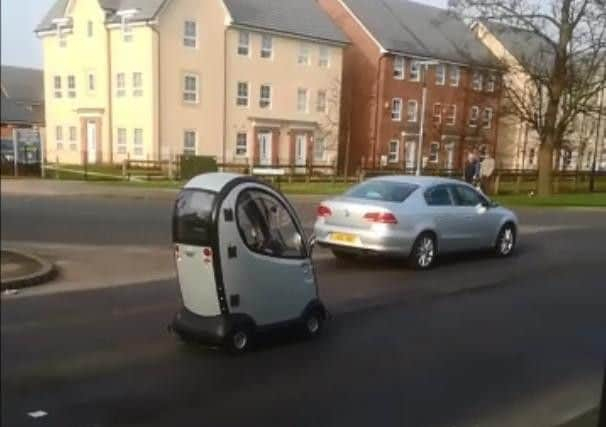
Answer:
(125, 17)
(61, 23)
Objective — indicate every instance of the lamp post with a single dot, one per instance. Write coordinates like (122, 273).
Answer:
(424, 67)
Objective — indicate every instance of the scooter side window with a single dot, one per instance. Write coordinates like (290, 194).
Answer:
(191, 220)
(267, 227)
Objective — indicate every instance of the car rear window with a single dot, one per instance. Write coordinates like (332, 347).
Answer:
(192, 217)
(387, 191)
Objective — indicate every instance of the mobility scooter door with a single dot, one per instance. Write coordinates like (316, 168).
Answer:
(267, 269)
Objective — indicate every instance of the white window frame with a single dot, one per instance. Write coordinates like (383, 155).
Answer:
(137, 85)
(121, 140)
(319, 142)
(432, 153)
(189, 150)
(71, 88)
(267, 46)
(324, 57)
(477, 81)
(265, 102)
(127, 29)
(415, 111)
(73, 133)
(138, 142)
(237, 152)
(396, 114)
(440, 75)
(195, 92)
(321, 101)
(190, 41)
(436, 116)
(454, 71)
(393, 156)
(415, 71)
(243, 48)
(399, 68)
(303, 54)
(59, 137)
(242, 100)
(57, 89)
(491, 83)
(120, 85)
(488, 113)
(474, 116)
(303, 108)
(451, 115)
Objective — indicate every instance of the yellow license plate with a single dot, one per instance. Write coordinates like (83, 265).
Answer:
(344, 238)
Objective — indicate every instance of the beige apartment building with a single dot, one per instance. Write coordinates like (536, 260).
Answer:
(247, 81)
(518, 143)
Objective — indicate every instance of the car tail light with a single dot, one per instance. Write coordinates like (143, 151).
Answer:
(207, 255)
(324, 211)
(381, 217)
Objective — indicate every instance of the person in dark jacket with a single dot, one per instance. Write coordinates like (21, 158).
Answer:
(472, 168)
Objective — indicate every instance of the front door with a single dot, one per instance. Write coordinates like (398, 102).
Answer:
(265, 148)
(411, 152)
(301, 150)
(450, 156)
(267, 270)
(91, 141)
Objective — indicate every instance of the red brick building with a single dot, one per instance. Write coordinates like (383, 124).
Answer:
(397, 47)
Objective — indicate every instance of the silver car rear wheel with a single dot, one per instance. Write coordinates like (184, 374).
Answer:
(506, 241)
(424, 252)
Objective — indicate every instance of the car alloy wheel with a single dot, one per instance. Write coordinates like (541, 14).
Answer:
(506, 241)
(424, 252)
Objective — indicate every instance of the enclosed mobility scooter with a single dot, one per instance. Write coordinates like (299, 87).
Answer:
(243, 263)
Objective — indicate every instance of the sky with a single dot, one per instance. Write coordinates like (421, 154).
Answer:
(20, 46)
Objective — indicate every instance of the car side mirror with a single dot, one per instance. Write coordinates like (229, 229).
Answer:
(481, 208)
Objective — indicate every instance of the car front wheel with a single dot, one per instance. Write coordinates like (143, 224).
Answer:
(506, 241)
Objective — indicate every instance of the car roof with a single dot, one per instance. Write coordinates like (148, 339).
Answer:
(421, 181)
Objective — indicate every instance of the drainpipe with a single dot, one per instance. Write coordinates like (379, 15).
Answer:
(224, 148)
(110, 119)
(159, 89)
(378, 108)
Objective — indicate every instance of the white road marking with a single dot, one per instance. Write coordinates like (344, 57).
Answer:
(37, 414)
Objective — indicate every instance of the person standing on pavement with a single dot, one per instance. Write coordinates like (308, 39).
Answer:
(472, 168)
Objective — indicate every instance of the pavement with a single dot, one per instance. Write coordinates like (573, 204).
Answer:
(475, 342)
(20, 269)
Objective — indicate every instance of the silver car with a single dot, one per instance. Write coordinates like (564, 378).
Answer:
(414, 217)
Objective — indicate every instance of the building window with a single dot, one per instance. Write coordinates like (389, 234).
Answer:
(89, 28)
(243, 43)
(393, 155)
(267, 46)
(531, 155)
(415, 71)
(302, 100)
(396, 109)
(71, 86)
(62, 38)
(57, 87)
(487, 118)
(321, 102)
(437, 113)
(324, 57)
(59, 137)
(91, 82)
(413, 108)
(241, 144)
(127, 31)
(190, 34)
(72, 133)
(73, 137)
(434, 152)
(474, 115)
(190, 89)
(121, 141)
(138, 142)
(440, 74)
(265, 96)
(137, 84)
(589, 161)
(303, 57)
(476, 82)
(454, 75)
(120, 85)
(399, 67)
(319, 149)
(491, 83)
(190, 138)
(451, 115)
(242, 95)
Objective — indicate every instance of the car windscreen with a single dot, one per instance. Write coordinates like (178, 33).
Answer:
(386, 191)
(192, 217)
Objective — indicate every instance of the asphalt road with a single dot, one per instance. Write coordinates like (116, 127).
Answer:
(523, 345)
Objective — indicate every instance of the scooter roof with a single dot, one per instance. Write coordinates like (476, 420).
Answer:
(214, 181)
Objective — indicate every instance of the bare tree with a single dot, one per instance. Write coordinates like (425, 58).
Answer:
(562, 75)
(328, 128)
